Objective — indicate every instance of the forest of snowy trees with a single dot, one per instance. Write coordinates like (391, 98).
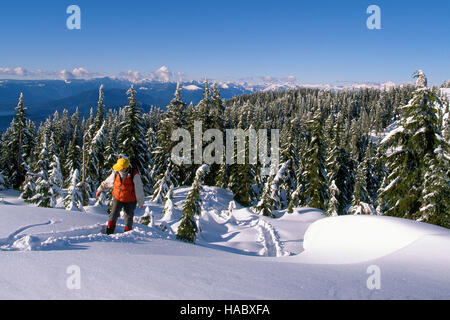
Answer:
(365, 151)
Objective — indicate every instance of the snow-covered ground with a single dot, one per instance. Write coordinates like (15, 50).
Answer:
(241, 255)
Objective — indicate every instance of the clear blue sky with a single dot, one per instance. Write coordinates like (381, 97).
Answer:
(315, 41)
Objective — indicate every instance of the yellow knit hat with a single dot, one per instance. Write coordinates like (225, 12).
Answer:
(121, 164)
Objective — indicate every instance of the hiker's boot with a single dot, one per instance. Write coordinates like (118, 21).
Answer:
(111, 227)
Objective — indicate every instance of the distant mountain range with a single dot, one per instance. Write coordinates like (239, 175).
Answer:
(44, 97)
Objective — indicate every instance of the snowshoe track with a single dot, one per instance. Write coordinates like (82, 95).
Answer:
(64, 239)
(268, 237)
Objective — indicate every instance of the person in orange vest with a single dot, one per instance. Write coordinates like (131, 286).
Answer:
(128, 191)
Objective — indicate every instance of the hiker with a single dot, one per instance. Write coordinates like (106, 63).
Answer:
(127, 192)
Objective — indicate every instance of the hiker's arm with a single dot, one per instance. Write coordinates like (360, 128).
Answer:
(139, 190)
(108, 183)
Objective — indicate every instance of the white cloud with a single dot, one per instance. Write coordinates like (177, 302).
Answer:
(290, 79)
(66, 75)
(18, 71)
(81, 73)
(22, 73)
(77, 73)
(163, 74)
(131, 75)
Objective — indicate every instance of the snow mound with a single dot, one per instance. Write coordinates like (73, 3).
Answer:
(27, 243)
(352, 239)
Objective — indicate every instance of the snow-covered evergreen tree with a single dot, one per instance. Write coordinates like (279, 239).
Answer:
(44, 193)
(361, 201)
(242, 175)
(334, 205)
(222, 176)
(74, 199)
(187, 230)
(266, 203)
(410, 154)
(73, 157)
(55, 178)
(131, 139)
(339, 174)
(286, 179)
(100, 115)
(16, 141)
(165, 182)
(176, 117)
(168, 204)
(96, 154)
(316, 189)
(28, 188)
(435, 204)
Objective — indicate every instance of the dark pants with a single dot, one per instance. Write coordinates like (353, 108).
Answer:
(129, 212)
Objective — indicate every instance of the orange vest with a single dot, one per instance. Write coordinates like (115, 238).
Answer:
(123, 189)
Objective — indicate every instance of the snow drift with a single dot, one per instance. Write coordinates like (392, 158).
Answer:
(238, 254)
(351, 239)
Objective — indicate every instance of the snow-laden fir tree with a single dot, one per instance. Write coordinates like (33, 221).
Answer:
(74, 199)
(435, 206)
(410, 155)
(55, 178)
(339, 173)
(6, 154)
(73, 161)
(298, 196)
(334, 205)
(202, 109)
(215, 121)
(146, 218)
(131, 139)
(150, 138)
(87, 184)
(241, 181)
(44, 193)
(316, 189)
(217, 110)
(111, 149)
(361, 201)
(286, 180)
(28, 188)
(96, 155)
(222, 175)
(276, 189)
(165, 182)
(373, 168)
(100, 115)
(176, 117)
(265, 205)
(242, 175)
(168, 205)
(16, 145)
(188, 228)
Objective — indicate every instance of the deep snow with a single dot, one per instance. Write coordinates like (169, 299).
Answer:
(241, 255)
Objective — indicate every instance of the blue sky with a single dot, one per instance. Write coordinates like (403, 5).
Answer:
(313, 41)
